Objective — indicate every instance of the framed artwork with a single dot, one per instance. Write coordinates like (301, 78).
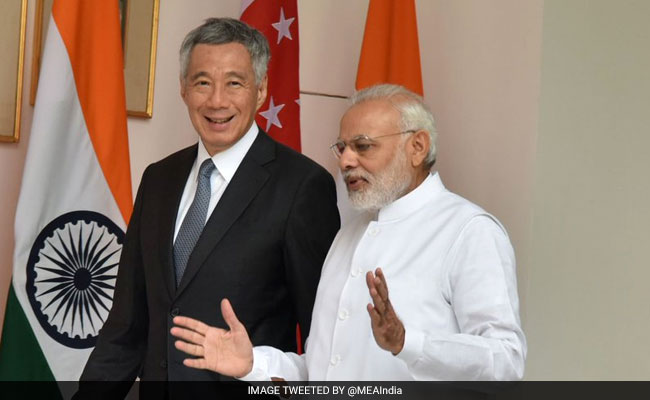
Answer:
(140, 29)
(139, 19)
(13, 20)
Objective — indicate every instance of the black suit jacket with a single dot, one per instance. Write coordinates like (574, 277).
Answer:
(262, 248)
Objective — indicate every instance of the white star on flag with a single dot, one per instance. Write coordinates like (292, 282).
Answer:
(282, 26)
(271, 115)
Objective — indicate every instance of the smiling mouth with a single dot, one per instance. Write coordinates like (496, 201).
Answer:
(219, 120)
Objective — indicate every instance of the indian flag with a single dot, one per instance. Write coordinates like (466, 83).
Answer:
(75, 198)
(390, 52)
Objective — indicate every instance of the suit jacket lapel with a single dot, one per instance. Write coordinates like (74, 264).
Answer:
(172, 191)
(246, 183)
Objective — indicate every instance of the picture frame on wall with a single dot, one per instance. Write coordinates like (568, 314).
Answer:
(13, 22)
(141, 36)
(139, 25)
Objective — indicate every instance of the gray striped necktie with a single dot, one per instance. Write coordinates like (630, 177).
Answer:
(194, 221)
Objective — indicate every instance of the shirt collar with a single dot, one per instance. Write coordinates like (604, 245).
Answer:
(412, 201)
(228, 161)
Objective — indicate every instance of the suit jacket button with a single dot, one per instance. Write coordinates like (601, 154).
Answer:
(163, 364)
(175, 312)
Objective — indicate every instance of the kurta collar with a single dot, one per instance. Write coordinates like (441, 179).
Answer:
(413, 200)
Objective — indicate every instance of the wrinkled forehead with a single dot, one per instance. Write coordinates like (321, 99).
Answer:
(371, 117)
(232, 55)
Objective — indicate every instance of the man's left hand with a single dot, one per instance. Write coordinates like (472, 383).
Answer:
(386, 327)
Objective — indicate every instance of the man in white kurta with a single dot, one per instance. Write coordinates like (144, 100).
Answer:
(443, 305)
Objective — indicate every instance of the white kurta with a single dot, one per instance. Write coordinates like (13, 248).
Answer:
(450, 271)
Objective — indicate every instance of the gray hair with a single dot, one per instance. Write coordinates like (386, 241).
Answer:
(415, 114)
(228, 30)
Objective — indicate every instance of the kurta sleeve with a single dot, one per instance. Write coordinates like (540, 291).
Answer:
(481, 286)
(269, 362)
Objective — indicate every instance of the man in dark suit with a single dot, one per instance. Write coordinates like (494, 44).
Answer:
(270, 215)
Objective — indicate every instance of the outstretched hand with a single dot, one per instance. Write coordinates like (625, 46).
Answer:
(227, 352)
(387, 329)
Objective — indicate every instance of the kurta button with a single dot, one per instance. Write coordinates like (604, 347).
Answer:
(355, 272)
(343, 314)
(335, 359)
(163, 364)
(175, 312)
(373, 231)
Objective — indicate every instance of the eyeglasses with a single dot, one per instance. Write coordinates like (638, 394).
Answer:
(361, 144)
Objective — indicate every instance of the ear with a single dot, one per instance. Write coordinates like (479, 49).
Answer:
(261, 92)
(418, 147)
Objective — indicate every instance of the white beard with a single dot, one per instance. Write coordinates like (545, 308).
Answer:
(384, 187)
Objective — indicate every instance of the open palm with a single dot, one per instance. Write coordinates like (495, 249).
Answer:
(227, 352)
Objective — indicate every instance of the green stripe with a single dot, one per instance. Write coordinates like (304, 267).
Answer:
(21, 358)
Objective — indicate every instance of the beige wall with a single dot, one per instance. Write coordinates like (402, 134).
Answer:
(589, 304)
(12, 158)
(581, 178)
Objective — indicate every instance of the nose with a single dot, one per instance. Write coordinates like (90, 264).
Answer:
(218, 97)
(348, 159)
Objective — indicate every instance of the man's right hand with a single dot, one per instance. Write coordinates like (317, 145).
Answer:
(227, 352)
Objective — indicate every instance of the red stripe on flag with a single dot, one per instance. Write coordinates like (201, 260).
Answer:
(279, 116)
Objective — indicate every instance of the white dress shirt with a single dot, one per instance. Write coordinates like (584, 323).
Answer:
(450, 271)
(226, 163)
